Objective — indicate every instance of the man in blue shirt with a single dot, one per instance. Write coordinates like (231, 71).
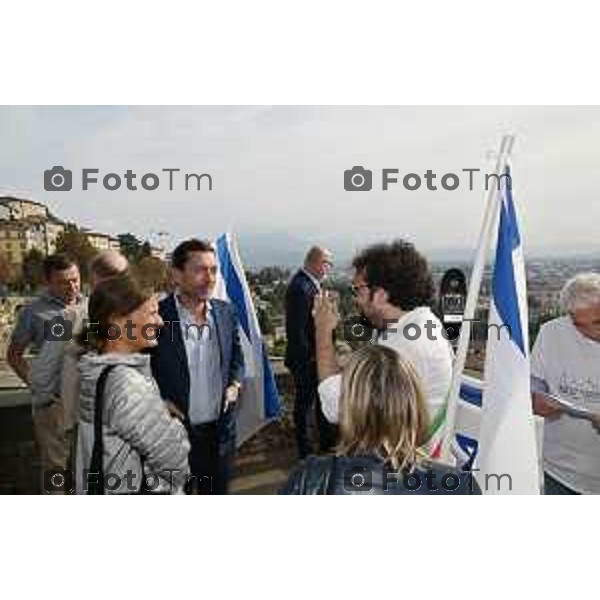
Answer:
(198, 364)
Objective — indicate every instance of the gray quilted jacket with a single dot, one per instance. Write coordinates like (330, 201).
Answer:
(136, 424)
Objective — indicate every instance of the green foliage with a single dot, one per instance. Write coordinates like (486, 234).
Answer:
(133, 248)
(265, 322)
(145, 250)
(74, 242)
(151, 272)
(32, 270)
(279, 347)
(343, 289)
(269, 284)
(267, 275)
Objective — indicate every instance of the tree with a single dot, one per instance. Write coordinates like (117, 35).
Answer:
(10, 276)
(264, 321)
(151, 272)
(33, 269)
(344, 291)
(4, 270)
(145, 250)
(131, 247)
(74, 243)
(268, 275)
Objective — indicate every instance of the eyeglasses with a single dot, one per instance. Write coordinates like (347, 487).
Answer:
(355, 288)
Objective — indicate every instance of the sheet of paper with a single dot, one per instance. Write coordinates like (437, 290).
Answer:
(570, 407)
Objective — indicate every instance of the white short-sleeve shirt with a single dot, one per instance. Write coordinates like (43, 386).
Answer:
(411, 337)
(569, 364)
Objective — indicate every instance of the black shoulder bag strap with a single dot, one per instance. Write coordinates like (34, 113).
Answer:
(96, 487)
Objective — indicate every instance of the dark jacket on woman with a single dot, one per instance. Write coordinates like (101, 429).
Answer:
(370, 475)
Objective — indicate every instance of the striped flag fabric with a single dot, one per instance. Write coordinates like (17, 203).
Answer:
(466, 434)
(464, 443)
(507, 456)
(259, 401)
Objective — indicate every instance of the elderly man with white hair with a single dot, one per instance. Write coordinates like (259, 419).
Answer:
(565, 362)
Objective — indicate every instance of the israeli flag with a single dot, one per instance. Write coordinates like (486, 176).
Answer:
(507, 456)
(468, 419)
(259, 400)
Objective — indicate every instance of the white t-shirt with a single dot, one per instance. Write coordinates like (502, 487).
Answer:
(432, 359)
(569, 364)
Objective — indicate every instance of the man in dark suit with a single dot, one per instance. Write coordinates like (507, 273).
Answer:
(300, 356)
(198, 364)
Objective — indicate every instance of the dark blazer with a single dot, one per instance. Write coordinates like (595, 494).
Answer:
(169, 359)
(299, 324)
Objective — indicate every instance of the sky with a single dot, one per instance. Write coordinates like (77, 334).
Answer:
(278, 172)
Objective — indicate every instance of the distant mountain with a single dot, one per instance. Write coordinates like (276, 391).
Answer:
(280, 248)
(271, 249)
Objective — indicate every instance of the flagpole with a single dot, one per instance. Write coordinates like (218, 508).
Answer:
(486, 236)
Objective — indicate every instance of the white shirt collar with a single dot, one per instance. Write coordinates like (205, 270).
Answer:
(312, 278)
(181, 306)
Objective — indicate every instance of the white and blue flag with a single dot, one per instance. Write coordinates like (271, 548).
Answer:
(507, 437)
(259, 401)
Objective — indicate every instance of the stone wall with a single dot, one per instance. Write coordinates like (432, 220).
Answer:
(19, 472)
